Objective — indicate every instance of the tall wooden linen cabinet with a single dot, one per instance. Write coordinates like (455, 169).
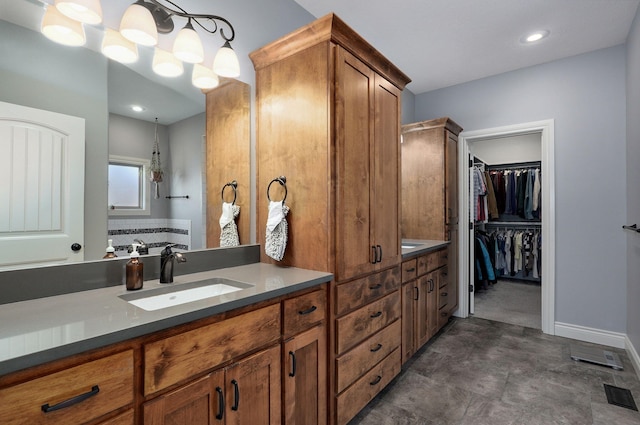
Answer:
(328, 119)
(430, 190)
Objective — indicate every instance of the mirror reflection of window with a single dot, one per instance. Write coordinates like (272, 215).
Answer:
(128, 192)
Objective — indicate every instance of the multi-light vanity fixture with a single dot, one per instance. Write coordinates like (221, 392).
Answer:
(142, 21)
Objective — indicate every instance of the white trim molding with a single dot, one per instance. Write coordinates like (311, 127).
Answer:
(593, 335)
(546, 130)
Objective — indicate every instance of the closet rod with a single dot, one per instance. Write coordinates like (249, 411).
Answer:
(513, 223)
(530, 164)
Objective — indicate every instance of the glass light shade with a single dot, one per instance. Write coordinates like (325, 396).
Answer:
(86, 11)
(137, 25)
(226, 62)
(118, 48)
(62, 29)
(203, 77)
(165, 64)
(187, 47)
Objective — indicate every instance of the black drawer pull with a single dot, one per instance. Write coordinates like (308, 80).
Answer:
(379, 256)
(236, 395)
(376, 286)
(220, 413)
(377, 314)
(444, 294)
(417, 293)
(375, 381)
(374, 259)
(411, 270)
(376, 348)
(73, 400)
(308, 311)
(293, 364)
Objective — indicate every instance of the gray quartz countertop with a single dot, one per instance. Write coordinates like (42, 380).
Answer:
(414, 247)
(45, 329)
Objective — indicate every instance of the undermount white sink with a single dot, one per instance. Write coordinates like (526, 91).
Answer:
(177, 294)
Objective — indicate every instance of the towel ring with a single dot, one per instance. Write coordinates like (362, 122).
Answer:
(283, 182)
(234, 185)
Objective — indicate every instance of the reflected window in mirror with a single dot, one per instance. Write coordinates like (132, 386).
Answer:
(128, 187)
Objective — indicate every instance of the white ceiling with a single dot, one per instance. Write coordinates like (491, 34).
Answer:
(440, 43)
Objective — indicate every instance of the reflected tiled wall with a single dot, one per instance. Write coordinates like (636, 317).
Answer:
(156, 233)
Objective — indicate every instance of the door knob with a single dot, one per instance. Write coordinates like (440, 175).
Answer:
(76, 247)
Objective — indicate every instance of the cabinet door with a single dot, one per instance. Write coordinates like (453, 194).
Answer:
(354, 117)
(424, 284)
(386, 187)
(432, 305)
(252, 389)
(304, 378)
(194, 403)
(409, 290)
(451, 268)
(451, 180)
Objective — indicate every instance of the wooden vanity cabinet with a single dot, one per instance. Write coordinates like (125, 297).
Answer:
(245, 392)
(328, 118)
(304, 371)
(74, 395)
(430, 211)
(425, 301)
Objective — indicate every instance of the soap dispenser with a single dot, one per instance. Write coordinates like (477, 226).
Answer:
(134, 271)
(111, 252)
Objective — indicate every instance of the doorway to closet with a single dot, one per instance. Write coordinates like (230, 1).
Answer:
(507, 266)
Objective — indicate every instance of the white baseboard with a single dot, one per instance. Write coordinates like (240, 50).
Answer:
(596, 336)
(633, 355)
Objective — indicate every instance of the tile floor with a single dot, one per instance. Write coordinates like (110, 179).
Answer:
(511, 301)
(477, 371)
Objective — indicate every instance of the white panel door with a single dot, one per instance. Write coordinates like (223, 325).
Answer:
(41, 187)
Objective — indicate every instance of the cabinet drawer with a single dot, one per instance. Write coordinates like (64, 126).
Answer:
(365, 389)
(355, 363)
(303, 312)
(126, 418)
(106, 384)
(360, 324)
(409, 270)
(180, 357)
(354, 294)
(443, 296)
(443, 277)
(443, 257)
(428, 262)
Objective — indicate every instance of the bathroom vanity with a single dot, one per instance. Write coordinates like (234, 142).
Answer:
(253, 355)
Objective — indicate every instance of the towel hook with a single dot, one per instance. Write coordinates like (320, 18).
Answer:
(283, 182)
(234, 185)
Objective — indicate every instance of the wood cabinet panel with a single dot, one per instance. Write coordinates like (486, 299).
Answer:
(360, 324)
(409, 298)
(350, 402)
(304, 377)
(253, 389)
(180, 357)
(303, 312)
(126, 418)
(107, 384)
(409, 270)
(195, 403)
(354, 294)
(356, 362)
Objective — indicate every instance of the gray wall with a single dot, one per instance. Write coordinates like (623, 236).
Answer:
(585, 95)
(633, 181)
(408, 107)
(187, 155)
(135, 138)
(70, 82)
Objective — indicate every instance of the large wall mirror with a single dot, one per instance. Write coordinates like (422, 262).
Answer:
(197, 163)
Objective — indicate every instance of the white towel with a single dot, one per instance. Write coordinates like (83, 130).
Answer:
(277, 230)
(228, 228)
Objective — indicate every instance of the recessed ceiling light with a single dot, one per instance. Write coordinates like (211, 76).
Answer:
(534, 36)
(137, 108)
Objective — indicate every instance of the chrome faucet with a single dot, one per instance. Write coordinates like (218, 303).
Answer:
(167, 258)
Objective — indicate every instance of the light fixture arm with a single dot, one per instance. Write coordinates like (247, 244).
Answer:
(194, 17)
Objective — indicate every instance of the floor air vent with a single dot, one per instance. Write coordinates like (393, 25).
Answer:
(620, 397)
(596, 355)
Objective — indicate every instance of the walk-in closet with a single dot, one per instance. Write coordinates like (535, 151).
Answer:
(505, 202)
